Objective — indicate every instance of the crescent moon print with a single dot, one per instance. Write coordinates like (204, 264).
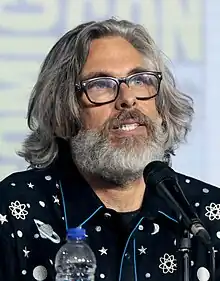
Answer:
(46, 231)
(156, 229)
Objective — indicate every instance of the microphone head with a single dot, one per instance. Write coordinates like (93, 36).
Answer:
(157, 171)
(163, 180)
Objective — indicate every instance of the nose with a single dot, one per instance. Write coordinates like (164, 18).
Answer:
(126, 98)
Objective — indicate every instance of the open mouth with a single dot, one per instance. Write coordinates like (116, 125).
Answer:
(128, 127)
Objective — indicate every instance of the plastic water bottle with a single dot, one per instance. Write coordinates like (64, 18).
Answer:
(75, 260)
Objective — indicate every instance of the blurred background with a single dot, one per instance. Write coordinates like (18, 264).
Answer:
(186, 30)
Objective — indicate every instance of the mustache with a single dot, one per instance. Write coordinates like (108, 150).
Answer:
(136, 115)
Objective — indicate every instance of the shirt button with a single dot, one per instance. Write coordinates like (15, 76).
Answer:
(127, 255)
(98, 228)
(107, 215)
(140, 227)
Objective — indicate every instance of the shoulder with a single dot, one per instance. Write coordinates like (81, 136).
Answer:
(205, 199)
(21, 186)
(25, 178)
(17, 177)
(195, 188)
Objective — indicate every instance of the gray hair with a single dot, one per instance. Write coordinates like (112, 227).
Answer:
(54, 109)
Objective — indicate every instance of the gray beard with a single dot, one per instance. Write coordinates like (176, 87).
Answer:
(94, 154)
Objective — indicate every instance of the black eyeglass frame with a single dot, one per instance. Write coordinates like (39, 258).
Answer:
(81, 86)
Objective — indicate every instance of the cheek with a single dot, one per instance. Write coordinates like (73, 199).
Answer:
(93, 118)
(149, 108)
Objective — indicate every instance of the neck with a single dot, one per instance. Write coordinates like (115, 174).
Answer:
(121, 199)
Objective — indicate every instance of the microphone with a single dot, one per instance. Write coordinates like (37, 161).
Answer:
(164, 181)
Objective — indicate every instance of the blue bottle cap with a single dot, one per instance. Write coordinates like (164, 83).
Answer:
(76, 233)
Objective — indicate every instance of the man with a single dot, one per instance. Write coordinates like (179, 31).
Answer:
(105, 105)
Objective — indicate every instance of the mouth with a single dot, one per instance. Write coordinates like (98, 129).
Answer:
(127, 127)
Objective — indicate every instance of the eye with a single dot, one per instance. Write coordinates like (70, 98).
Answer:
(101, 84)
(144, 79)
(138, 80)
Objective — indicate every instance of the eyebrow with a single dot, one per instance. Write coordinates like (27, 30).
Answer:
(97, 74)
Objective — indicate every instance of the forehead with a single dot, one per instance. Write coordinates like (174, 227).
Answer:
(113, 55)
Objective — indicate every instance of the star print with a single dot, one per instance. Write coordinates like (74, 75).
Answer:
(168, 264)
(213, 211)
(56, 200)
(30, 185)
(26, 252)
(103, 251)
(142, 250)
(3, 219)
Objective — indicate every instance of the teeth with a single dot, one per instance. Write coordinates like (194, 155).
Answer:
(128, 127)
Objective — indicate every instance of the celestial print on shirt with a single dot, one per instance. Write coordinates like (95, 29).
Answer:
(30, 185)
(103, 251)
(46, 232)
(26, 252)
(203, 274)
(142, 250)
(18, 210)
(3, 219)
(168, 263)
(156, 229)
(213, 211)
(40, 273)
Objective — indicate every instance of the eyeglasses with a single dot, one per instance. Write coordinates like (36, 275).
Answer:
(101, 90)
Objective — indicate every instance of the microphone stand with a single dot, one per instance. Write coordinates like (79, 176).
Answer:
(212, 263)
(185, 249)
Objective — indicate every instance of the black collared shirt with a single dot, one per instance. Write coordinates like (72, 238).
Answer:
(37, 206)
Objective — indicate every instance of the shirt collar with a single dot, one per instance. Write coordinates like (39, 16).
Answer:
(86, 202)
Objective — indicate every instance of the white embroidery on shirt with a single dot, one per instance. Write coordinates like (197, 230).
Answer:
(19, 233)
(103, 251)
(24, 272)
(18, 210)
(205, 190)
(156, 229)
(40, 273)
(56, 200)
(47, 232)
(213, 211)
(26, 252)
(168, 263)
(142, 250)
(203, 274)
(3, 219)
(30, 185)
(42, 204)
(48, 178)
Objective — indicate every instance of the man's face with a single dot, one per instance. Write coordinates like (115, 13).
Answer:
(118, 139)
(115, 57)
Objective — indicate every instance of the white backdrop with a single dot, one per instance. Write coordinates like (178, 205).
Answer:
(186, 30)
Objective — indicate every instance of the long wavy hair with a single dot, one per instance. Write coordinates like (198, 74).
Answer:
(54, 109)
